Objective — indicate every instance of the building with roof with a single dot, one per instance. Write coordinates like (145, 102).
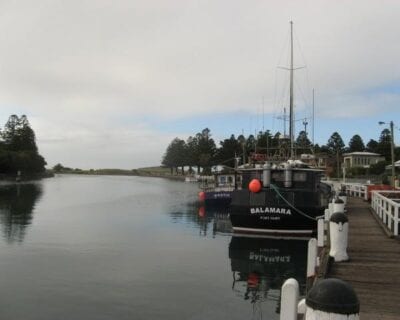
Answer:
(361, 159)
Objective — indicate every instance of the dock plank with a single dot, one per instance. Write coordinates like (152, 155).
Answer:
(374, 266)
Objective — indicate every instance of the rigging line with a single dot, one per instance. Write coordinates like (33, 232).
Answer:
(306, 102)
(285, 45)
(305, 62)
(275, 188)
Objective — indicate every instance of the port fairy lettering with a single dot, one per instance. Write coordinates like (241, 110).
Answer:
(261, 210)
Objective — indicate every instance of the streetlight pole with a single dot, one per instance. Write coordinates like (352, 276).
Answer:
(392, 151)
(391, 147)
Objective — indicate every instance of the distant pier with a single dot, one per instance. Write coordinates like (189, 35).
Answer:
(374, 266)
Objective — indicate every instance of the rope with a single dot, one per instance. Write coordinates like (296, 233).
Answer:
(275, 188)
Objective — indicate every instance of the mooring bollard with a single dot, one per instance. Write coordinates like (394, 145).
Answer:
(338, 231)
(338, 205)
(332, 299)
(311, 257)
(330, 208)
(327, 214)
(289, 299)
(321, 232)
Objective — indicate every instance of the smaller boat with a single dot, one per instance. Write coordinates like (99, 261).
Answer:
(216, 190)
(191, 178)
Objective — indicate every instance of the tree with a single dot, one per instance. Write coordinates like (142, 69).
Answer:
(230, 148)
(372, 146)
(174, 157)
(19, 149)
(384, 144)
(356, 144)
(206, 150)
(336, 147)
(303, 144)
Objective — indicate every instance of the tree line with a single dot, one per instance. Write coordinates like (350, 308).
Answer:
(18, 149)
(202, 152)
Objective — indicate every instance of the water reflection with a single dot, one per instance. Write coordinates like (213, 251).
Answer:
(261, 265)
(17, 202)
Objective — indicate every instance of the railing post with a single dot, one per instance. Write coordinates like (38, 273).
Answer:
(396, 220)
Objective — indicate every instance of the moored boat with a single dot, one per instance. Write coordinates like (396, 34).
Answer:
(280, 198)
(217, 191)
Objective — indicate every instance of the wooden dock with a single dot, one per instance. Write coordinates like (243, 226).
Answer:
(374, 266)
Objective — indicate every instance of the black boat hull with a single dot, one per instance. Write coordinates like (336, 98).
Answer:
(273, 217)
(217, 198)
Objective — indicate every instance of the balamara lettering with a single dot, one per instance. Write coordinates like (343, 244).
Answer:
(259, 210)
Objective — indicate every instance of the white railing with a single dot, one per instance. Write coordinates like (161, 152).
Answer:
(386, 206)
(356, 190)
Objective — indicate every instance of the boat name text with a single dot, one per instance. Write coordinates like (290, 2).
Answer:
(270, 210)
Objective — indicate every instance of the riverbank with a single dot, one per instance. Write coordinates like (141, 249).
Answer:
(151, 172)
(26, 177)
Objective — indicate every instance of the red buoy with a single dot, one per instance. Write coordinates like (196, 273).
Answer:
(255, 185)
(253, 280)
(202, 196)
(202, 212)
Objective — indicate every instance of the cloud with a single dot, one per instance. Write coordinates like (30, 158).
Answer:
(103, 65)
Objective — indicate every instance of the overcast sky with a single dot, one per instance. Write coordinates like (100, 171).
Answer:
(108, 84)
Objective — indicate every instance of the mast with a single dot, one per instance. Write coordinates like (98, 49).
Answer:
(313, 115)
(291, 118)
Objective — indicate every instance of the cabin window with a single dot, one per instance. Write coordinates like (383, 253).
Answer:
(277, 176)
(299, 176)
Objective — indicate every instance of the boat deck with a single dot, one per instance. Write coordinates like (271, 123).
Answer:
(374, 266)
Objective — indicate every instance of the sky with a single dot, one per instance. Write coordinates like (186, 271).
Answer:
(108, 84)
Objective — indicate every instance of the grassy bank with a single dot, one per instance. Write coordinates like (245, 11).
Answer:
(158, 172)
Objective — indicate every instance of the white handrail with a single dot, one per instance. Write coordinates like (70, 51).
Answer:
(356, 190)
(387, 209)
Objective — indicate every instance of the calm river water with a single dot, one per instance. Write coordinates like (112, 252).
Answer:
(110, 247)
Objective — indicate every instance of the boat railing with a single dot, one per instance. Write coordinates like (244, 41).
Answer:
(385, 205)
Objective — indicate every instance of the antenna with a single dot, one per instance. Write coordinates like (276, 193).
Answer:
(313, 115)
(263, 113)
(284, 118)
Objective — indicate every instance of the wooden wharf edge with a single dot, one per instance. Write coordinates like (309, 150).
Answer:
(374, 266)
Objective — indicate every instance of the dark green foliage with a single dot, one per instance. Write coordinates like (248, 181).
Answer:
(229, 149)
(303, 143)
(384, 145)
(378, 168)
(335, 144)
(356, 171)
(200, 150)
(372, 146)
(356, 144)
(18, 150)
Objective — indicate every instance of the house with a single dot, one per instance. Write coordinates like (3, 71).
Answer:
(361, 159)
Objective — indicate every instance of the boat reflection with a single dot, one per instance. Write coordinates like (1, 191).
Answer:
(261, 265)
(17, 202)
